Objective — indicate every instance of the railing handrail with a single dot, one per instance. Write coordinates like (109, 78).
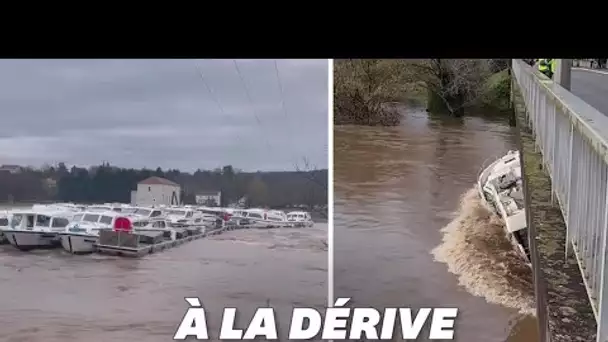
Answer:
(573, 139)
(588, 120)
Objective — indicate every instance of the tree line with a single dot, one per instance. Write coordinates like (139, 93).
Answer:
(107, 183)
(363, 87)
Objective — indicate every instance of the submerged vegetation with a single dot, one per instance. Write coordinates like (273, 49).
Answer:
(363, 87)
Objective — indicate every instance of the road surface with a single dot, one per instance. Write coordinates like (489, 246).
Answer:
(592, 87)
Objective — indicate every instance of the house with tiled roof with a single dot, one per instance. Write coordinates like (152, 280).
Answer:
(154, 191)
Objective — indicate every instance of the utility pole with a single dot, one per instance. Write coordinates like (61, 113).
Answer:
(563, 72)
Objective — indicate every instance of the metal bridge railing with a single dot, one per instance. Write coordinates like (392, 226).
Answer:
(573, 139)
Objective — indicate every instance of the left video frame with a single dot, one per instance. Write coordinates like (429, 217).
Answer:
(129, 185)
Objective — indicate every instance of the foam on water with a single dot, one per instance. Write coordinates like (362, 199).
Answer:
(476, 249)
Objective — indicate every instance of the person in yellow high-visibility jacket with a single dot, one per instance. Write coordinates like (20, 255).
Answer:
(546, 66)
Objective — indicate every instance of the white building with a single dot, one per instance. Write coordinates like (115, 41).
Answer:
(155, 191)
(204, 197)
(11, 168)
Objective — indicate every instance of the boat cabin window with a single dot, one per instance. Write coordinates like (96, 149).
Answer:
(16, 221)
(254, 215)
(60, 222)
(43, 221)
(106, 219)
(117, 209)
(159, 224)
(91, 217)
(78, 217)
(3, 222)
(189, 214)
(30, 221)
(156, 213)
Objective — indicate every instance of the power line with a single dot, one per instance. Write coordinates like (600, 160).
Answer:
(276, 68)
(214, 99)
(238, 71)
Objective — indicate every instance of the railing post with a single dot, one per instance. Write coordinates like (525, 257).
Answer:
(602, 301)
(563, 72)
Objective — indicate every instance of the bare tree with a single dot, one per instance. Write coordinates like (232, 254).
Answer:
(361, 89)
(457, 83)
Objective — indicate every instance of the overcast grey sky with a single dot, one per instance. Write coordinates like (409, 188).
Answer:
(149, 113)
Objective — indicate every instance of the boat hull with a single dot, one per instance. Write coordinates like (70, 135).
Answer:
(78, 243)
(28, 240)
(301, 224)
(517, 235)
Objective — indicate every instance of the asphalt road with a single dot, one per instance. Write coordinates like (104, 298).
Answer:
(592, 87)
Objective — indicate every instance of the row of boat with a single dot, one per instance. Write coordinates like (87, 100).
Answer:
(77, 228)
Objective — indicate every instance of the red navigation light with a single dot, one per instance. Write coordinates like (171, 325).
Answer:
(123, 224)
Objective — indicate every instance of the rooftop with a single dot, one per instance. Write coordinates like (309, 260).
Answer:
(158, 181)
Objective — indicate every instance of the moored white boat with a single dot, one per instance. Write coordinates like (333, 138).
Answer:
(300, 219)
(5, 218)
(500, 187)
(82, 233)
(30, 229)
(262, 218)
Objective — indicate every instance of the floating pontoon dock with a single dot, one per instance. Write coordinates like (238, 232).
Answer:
(141, 243)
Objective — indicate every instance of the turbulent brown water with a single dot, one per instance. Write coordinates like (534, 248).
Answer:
(54, 296)
(410, 231)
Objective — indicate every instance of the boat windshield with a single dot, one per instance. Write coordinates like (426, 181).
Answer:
(106, 219)
(100, 208)
(140, 223)
(78, 217)
(177, 212)
(143, 212)
(91, 218)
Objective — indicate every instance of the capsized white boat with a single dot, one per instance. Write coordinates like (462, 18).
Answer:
(500, 186)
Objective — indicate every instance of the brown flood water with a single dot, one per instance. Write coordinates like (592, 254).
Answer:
(404, 238)
(52, 296)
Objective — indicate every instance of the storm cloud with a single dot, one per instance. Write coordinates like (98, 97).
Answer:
(184, 114)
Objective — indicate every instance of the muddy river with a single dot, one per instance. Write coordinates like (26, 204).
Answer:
(410, 231)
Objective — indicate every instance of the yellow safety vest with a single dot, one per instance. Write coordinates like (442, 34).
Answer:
(543, 65)
(553, 66)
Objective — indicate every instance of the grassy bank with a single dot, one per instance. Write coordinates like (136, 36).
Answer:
(450, 87)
